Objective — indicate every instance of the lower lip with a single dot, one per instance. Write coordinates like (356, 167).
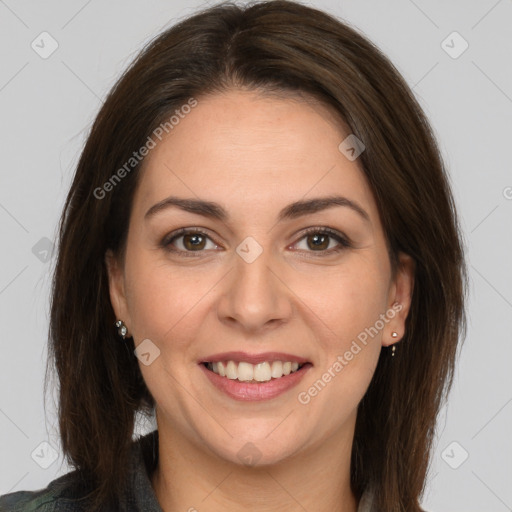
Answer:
(254, 392)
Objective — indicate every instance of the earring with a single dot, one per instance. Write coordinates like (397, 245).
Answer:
(121, 329)
(393, 348)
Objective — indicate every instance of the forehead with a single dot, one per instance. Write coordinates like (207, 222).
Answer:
(250, 152)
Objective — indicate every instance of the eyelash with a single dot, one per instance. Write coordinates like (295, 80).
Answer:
(341, 239)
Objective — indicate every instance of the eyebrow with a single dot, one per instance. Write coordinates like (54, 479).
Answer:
(292, 211)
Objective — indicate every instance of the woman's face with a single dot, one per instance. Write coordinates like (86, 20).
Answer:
(254, 282)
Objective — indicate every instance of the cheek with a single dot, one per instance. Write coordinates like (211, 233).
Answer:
(161, 297)
(346, 314)
(347, 298)
(348, 349)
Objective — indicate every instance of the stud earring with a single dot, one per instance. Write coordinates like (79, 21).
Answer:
(393, 348)
(122, 330)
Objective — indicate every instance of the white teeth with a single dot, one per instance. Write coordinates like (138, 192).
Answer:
(262, 372)
(247, 372)
(277, 369)
(231, 370)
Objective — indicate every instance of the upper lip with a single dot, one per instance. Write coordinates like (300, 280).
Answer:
(253, 358)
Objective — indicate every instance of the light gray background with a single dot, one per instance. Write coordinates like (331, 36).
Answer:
(47, 106)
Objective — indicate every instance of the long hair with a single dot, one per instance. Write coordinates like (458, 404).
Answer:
(280, 47)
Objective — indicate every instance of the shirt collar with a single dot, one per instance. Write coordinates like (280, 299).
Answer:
(140, 496)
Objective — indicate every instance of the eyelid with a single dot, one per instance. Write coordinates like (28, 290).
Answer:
(166, 242)
(343, 241)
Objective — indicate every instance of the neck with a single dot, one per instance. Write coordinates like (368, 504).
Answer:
(190, 477)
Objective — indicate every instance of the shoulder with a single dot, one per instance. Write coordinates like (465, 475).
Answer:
(64, 494)
(70, 493)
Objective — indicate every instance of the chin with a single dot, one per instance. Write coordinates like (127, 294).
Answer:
(256, 452)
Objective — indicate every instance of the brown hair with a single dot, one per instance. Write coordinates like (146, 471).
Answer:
(286, 47)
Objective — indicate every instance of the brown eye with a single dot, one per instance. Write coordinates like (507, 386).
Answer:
(194, 241)
(321, 240)
(187, 241)
(318, 241)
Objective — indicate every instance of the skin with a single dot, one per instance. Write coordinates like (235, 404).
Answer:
(254, 155)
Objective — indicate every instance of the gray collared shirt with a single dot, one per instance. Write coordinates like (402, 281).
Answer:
(60, 495)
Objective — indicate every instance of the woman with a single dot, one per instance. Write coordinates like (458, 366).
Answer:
(260, 245)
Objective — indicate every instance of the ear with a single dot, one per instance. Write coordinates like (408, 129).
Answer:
(399, 299)
(116, 285)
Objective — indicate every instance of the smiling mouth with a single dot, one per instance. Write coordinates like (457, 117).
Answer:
(254, 373)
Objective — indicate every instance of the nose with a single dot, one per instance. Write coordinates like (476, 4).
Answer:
(255, 295)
